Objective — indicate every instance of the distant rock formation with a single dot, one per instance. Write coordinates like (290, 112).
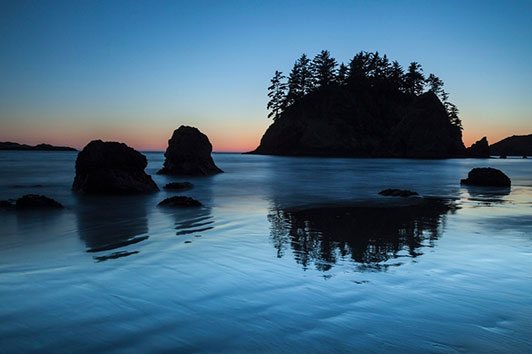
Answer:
(189, 153)
(480, 149)
(7, 145)
(30, 202)
(487, 177)
(179, 202)
(516, 145)
(111, 168)
(337, 121)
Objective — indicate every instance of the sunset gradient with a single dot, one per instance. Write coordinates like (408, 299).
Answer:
(133, 71)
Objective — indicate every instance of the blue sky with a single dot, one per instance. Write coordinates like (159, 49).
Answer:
(134, 71)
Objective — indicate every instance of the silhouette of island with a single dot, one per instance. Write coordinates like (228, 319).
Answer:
(369, 108)
(368, 235)
(7, 145)
(516, 145)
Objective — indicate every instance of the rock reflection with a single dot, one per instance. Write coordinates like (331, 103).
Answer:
(191, 221)
(110, 223)
(487, 195)
(368, 235)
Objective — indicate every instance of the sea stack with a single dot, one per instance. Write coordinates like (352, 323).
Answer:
(480, 149)
(189, 153)
(111, 168)
(337, 121)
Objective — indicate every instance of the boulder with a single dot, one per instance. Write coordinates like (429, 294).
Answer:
(397, 193)
(189, 153)
(180, 201)
(486, 176)
(111, 168)
(34, 201)
(31, 201)
(480, 149)
(175, 186)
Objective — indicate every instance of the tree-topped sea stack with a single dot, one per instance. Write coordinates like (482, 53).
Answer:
(111, 168)
(189, 153)
(368, 108)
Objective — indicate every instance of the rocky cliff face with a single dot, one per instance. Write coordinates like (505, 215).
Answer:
(337, 121)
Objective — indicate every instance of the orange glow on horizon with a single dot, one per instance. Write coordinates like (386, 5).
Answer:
(494, 134)
(222, 140)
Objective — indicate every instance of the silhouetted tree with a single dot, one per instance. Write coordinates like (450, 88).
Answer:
(414, 79)
(306, 77)
(323, 69)
(358, 68)
(343, 73)
(295, 90)
(299, 81)
(434, 83)
(452, 112)
(377, 66)
(396, 76)
(277, 95)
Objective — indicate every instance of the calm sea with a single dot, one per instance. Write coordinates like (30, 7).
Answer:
(255, 271)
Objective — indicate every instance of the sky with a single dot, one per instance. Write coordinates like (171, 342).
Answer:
(133, 71)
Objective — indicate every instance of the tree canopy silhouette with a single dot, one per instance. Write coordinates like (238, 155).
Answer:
(364, 71)
(323, 69)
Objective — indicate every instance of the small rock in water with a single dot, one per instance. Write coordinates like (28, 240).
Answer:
(487, 177)
(179, 186)
(525, 157)
(188, 241)
(502, 156)
(34, 201)
(397, 193)
(180, 201)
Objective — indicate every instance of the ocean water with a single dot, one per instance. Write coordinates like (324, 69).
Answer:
(294, 255)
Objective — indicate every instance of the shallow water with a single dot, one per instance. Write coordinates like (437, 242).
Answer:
(262, 267)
